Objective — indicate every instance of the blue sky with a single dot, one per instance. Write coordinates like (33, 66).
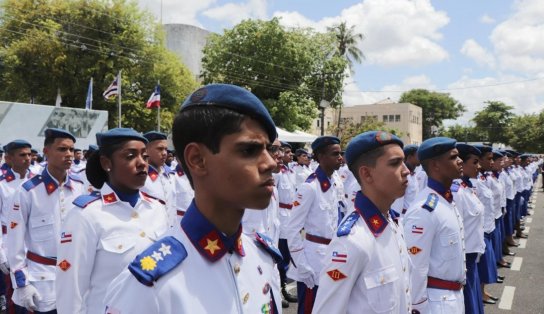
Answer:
(476, 50)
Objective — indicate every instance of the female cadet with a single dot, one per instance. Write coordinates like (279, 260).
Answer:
(472, 210)
(109, 227)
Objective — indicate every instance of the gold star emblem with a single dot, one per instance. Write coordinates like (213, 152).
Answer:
(148, 263)
(375, 222)
(212, 246)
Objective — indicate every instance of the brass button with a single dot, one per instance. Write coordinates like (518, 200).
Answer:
(134, 215)
(236, 269)
(142, 234)
(120, 246)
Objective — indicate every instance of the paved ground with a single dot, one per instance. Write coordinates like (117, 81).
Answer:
(523, 288)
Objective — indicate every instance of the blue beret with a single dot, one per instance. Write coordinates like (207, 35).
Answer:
(368, 141)
(524, 156)
(497, 154)
(16, 144)
(235, 98)
(466, 149)
(33, 151)
(410, 149)
(435, 146)
(114, 135)
(77, 149)
(484, 148)
(92, 148)
(58, 133)
(301, 151)
(285, 144)
(323, 141)
(154, 136)
(514, 153)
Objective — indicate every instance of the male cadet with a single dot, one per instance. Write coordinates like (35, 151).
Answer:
(401, 204)
(367, 267)
(183, 192)
(78, 164)
(302, 167)
(39, 208)
(316, 209)
(160, 178)
(208, 265)
(434, 232)
(18, 155)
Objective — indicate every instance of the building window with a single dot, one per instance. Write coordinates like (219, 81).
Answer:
(328, 123)
(391, 118)
(397, 118)
(375, 118)
(385, 118)
(317, 122)
(363, 119)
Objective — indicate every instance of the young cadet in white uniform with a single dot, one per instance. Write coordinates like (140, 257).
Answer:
(40, 207)
(401, 204)
(160, 178)
(367, 267)
(434, 233)
(316, 209)
(302, 167)
(208, 265)
(78, 163)
(107, 228)
(18, 154)
(183, 192)
(472, 211)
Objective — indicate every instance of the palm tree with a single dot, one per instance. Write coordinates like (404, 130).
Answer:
(347, 40)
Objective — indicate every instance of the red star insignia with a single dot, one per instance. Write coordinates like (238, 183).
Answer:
(376, 222)
(336, 275)
(414, 250)
(153, 176)
(110, 198)
(13, 224)
(64, 265)
(50, 187)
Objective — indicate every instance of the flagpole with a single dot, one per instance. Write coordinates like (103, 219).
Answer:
(119, 96)
(91, 105)
(159, 112)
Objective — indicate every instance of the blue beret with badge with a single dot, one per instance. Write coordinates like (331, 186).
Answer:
(368, 141)
(117, 134)
(235, 98)
(467, 149)
(324, 141)
(484, 148)
(410, 149)
(53, 133)
(16, 144)
(154, 136)
(434, 147)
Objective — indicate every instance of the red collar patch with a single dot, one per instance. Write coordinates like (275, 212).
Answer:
(109, 198)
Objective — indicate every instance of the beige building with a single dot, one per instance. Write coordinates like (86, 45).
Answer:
(403, 117)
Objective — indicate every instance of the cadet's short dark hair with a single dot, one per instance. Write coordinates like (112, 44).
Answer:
(367, 159)
(206, 125)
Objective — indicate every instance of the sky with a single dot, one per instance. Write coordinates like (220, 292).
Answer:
(475, 50)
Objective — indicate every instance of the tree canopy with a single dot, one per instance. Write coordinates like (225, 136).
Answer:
(493, 121)
(54, 44)
(291, 70)
(436, 108)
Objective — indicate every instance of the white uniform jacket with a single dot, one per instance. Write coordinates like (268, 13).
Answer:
(265, 221)
(184, 193)
(100, 237)
(472, 211)
(39, 209)
(485, 194)
(315, 209)
(197, 269)
(301, 173)
(367, 267)
(160, 184)
(435, 240)
(286, 196)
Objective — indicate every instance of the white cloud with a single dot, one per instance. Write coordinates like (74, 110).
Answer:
(233, 13)
(477, 53)
(486, 19)
(397, 32)
(519, 40)
(174, 12)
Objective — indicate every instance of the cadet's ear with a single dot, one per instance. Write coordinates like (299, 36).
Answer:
(105, 163)
(194, 155)
(365, 175)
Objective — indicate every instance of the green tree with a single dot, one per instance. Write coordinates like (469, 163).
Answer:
(47, 45)
(493, 121)
(436, 107)
(281, 66)
(347, 41)
(525, 133)
(464, 133)
(348, 129)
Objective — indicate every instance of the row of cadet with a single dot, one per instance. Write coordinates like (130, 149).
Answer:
(367, 229)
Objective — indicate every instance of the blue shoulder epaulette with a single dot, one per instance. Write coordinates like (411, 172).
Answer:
(266, 243)
(83, 200)
(431, 202)
(311, 177)
(76, 178)
(32, 182)
(157, 260)
(169, 170)
(454, 187)
(345, 226)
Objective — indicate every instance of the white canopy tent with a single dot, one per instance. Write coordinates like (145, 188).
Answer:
(296, 137)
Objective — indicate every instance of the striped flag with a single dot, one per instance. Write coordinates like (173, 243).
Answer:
(155, 99)
(89, 100)
(112, 90)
